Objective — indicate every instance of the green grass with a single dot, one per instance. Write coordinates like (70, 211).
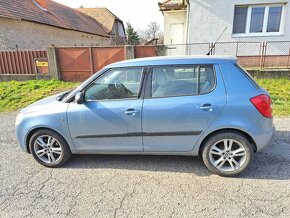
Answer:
(280, 94)
(15, 95)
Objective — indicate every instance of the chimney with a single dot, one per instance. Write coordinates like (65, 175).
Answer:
(42, 4)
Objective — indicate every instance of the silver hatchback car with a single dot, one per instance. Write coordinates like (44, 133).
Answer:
(207, 106)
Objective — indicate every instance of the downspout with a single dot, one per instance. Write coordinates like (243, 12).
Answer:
(187, 27)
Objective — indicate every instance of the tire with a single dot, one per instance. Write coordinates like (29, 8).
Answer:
(227, 153)
(49, 148)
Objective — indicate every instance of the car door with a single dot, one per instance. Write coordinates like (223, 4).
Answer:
(183, 101)
(110, 117)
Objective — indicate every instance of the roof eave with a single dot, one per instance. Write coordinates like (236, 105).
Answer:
(33, 21)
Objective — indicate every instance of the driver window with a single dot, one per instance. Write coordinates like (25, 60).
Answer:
(121, 83)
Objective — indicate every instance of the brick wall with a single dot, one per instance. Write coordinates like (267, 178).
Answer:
(26, 35)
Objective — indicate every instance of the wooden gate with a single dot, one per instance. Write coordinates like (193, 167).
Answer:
(79, 63)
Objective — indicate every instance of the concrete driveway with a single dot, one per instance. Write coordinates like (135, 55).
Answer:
(142, 186)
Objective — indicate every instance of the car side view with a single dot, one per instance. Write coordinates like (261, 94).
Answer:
(204, 106)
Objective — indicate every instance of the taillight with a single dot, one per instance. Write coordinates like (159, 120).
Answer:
(263, 105)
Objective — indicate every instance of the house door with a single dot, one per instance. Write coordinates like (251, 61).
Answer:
(177, 36)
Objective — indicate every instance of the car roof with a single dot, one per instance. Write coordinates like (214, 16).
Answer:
(171, 60)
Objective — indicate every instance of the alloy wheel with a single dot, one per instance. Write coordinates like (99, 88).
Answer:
(47, 149)
(228, 155)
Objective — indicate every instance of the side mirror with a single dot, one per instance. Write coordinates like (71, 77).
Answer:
(79, 98)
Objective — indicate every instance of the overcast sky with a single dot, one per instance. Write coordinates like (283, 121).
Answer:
(138, 12)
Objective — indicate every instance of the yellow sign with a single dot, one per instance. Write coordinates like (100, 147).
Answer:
(42, 63)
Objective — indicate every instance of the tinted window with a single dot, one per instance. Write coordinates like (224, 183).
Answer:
(240, 19)
(116, 84)
(257, 19)
(181, 81)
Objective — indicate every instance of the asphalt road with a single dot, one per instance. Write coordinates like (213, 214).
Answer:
(142, 186)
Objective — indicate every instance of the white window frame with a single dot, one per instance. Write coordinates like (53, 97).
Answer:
(265, 22)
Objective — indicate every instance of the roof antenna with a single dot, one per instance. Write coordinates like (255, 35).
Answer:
(216, 41)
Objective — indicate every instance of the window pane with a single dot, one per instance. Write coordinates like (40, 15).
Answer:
(274, 19)
(117, 84)
(181, 81)
(240, 19)
(174, 81)
(207, 79)
(257, 19)
(121, 31)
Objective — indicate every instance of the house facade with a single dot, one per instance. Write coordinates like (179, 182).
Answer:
(37, 24)
(195, 21)
(113, 25)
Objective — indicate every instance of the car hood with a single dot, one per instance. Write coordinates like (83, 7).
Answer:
(43, 104)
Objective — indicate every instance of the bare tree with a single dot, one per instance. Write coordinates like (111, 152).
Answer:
(152, 31)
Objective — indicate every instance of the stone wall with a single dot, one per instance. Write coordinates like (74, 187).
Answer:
(26, 35)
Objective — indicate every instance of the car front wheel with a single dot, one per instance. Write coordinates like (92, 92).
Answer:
(227, 154)
(49, 148)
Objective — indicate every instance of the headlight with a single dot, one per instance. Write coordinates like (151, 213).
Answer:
(19, 119)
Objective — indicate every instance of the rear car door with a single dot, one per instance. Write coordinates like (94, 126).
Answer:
(181, 103)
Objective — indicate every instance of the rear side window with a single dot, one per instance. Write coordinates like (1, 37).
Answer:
(249, 77)
(182, 81)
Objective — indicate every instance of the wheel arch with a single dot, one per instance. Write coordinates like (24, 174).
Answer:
(32, 131)
(227, 130)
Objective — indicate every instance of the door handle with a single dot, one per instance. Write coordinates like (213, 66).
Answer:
(207, 107)
(131, 111)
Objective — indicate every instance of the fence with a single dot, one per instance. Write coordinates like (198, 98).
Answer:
(20, 62)
(67, 63)
(77, 64)
(274, 54)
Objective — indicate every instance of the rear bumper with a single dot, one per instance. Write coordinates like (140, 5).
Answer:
(265, 139)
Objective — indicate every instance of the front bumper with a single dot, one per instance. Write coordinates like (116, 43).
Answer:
(21, 137)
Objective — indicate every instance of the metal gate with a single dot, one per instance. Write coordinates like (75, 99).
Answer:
(20, 62)
(79, 63)
(145, 51)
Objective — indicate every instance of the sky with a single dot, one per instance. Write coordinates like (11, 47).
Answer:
(138, 12)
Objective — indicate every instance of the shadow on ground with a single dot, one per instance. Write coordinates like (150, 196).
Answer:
(271, 163)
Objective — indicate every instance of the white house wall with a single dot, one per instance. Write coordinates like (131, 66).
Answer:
(208, 19)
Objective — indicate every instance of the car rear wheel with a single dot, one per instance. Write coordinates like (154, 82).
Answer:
(49, 148)
(227, 154)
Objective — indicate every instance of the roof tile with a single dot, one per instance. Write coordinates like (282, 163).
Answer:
(56, 15)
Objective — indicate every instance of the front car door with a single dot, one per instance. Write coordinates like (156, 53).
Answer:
(110, 118)
(183, 101)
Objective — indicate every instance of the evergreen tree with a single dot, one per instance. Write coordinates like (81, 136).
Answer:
(132, 36)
